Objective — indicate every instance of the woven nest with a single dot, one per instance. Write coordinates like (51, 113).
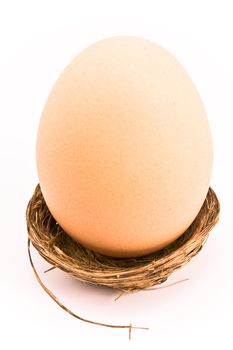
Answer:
(125, 274)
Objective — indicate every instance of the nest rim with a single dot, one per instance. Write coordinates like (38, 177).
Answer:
(125, 274)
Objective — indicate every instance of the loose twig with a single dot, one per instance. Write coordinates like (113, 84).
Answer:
(149, 289)
(168, 285)
(129, 327)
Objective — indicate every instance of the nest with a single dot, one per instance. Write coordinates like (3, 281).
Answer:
(125, 274)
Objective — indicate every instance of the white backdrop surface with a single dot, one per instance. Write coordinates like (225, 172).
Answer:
(37, 40)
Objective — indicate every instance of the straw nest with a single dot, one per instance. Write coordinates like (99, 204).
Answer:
(125, 274)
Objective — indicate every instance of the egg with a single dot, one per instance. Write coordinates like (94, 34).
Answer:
(124, 151)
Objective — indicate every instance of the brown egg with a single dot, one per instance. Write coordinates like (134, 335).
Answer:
(124, 152)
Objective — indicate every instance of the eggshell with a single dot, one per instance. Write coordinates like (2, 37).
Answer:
(124, 151)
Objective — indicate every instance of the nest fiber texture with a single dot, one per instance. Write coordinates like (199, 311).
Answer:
(126, 274)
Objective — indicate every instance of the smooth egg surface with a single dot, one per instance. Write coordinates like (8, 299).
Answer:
(124, 150)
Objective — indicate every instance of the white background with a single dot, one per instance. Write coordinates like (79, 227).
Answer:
(37, 40)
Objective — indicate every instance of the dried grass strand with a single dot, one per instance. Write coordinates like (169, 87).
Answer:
(59, 303)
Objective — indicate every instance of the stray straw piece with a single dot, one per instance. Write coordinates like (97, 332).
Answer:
(48, 291)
